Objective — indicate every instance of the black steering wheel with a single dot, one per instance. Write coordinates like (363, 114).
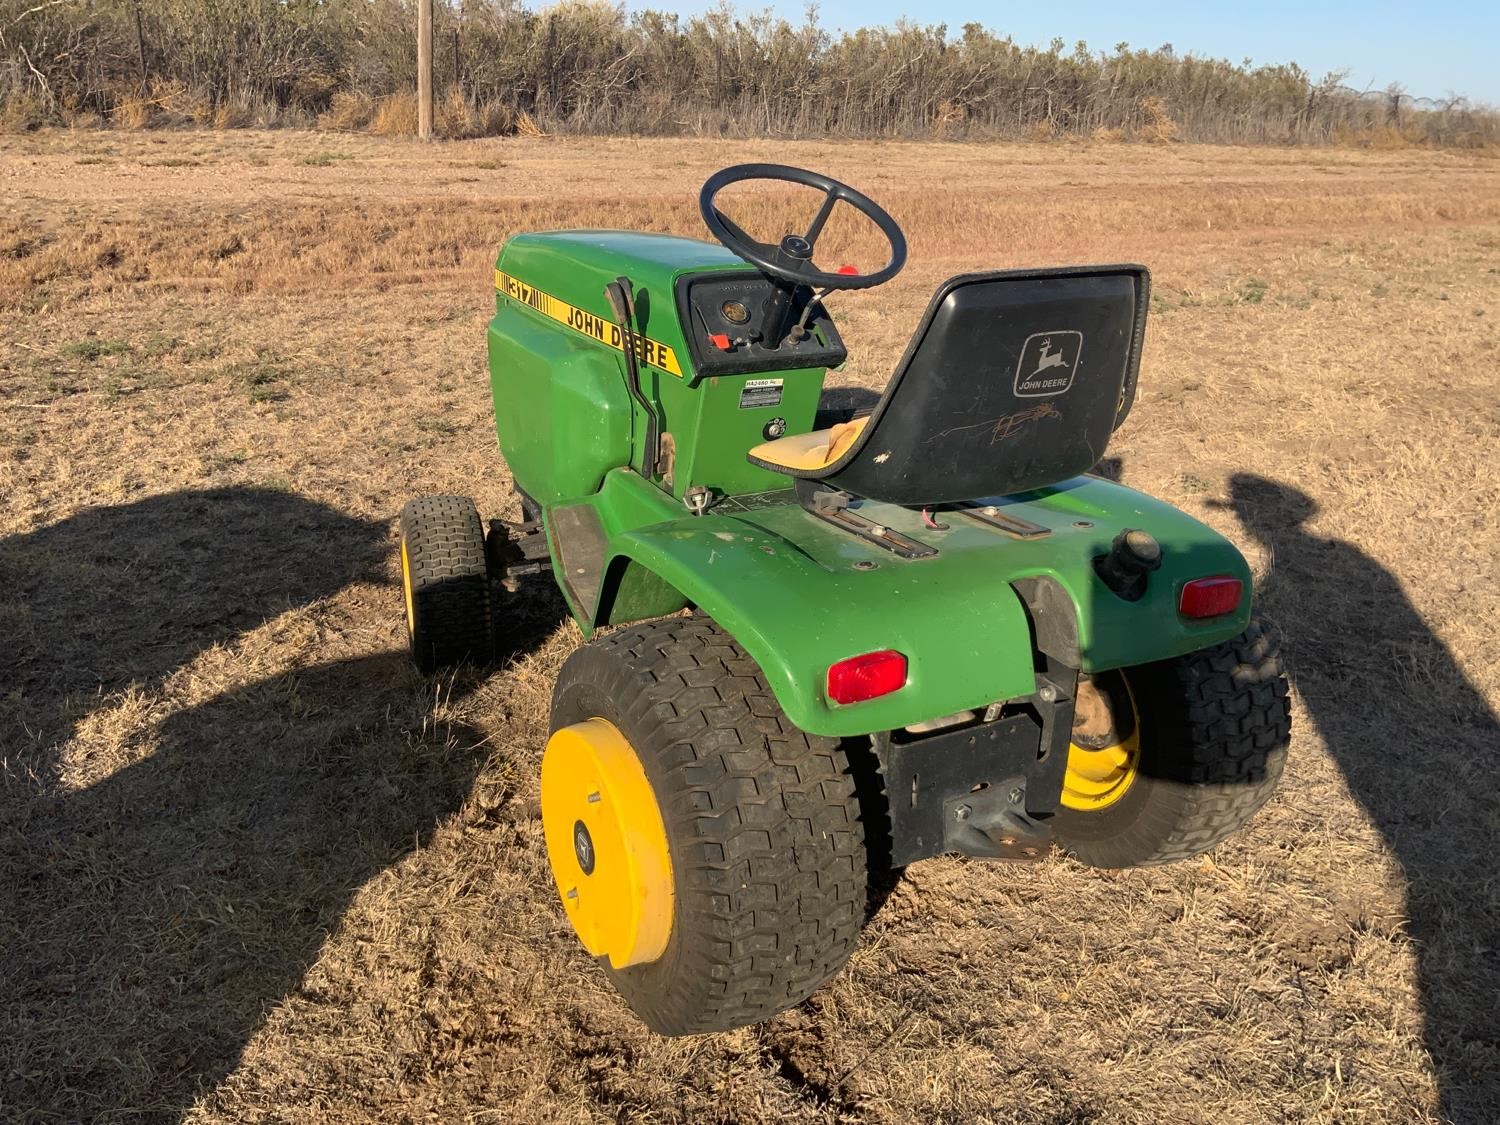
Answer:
(791, 260)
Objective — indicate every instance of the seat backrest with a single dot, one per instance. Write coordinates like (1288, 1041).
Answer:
(1014, 380)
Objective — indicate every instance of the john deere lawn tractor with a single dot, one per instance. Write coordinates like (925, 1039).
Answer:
(826, 645)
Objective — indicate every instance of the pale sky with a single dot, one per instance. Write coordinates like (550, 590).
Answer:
(1434, 49)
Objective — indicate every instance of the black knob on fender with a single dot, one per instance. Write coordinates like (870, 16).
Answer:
(1132, 556)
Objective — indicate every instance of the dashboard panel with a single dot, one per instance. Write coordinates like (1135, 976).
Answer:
(725, 320)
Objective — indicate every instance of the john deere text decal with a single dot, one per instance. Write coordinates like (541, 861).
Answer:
(606, 332)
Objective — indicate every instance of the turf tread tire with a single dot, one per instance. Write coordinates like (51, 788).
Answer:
(450, 582)
(762, 821)
(1215, 725)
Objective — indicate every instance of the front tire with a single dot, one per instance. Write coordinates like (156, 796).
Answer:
(1197, 745)
(446, 583)
(767, 858)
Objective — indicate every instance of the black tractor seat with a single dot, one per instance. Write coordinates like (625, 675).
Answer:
(1014, 380)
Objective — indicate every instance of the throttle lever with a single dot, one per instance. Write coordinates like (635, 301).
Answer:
(620, 293)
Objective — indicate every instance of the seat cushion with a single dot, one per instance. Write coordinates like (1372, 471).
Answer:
(808, 451)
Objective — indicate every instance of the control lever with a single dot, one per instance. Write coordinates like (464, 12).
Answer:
(621, 296)
(798, 332)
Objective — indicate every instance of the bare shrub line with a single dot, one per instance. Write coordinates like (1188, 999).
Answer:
(591, 68)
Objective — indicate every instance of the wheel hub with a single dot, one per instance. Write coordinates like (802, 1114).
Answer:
(1105, 748)
(583, 847)
(607, 844)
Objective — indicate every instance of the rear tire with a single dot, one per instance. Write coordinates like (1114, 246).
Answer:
(1214, 727)
(446, 583)
(762, 825)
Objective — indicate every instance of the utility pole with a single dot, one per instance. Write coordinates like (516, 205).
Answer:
(424, 69)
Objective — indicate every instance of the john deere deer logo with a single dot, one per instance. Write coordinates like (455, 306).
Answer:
(1048, 362)
(1050, 358)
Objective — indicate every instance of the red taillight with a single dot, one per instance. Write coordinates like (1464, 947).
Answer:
(867, 676)
(1210, 597)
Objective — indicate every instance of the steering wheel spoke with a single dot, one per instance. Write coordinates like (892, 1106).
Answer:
(792, 259)
(738, 232)
(821, 218)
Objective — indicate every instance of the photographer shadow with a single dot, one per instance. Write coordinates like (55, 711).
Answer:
(1417, 744)
(150, 921)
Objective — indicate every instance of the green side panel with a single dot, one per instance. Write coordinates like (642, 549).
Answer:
(625, 502)
(786, 586)
(562, 412)
(532, 355)
(713, 433)
(636, 593)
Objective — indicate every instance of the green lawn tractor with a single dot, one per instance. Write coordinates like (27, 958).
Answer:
(824, 646)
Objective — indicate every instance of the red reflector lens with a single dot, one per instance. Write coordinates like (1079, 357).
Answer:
(849, 271)
(1211, 597)
(867, 676)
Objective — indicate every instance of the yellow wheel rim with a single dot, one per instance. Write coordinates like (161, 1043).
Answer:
(607, 844)
(1105, 753)
(411, 607)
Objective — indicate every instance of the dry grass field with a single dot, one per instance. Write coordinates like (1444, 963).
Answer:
(253, 867)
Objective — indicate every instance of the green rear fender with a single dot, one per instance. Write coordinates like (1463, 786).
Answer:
(796, 617)
(800, 597)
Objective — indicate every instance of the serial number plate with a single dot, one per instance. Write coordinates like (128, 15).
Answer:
(760, 392)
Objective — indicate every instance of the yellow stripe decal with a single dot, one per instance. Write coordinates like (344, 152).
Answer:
(595, 327)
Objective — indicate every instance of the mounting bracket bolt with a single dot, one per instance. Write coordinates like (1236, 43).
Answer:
(696, 499)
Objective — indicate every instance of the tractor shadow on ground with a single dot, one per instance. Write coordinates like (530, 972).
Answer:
(1416, 742)
(150, 921)
(527, 617)
(126, 594)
